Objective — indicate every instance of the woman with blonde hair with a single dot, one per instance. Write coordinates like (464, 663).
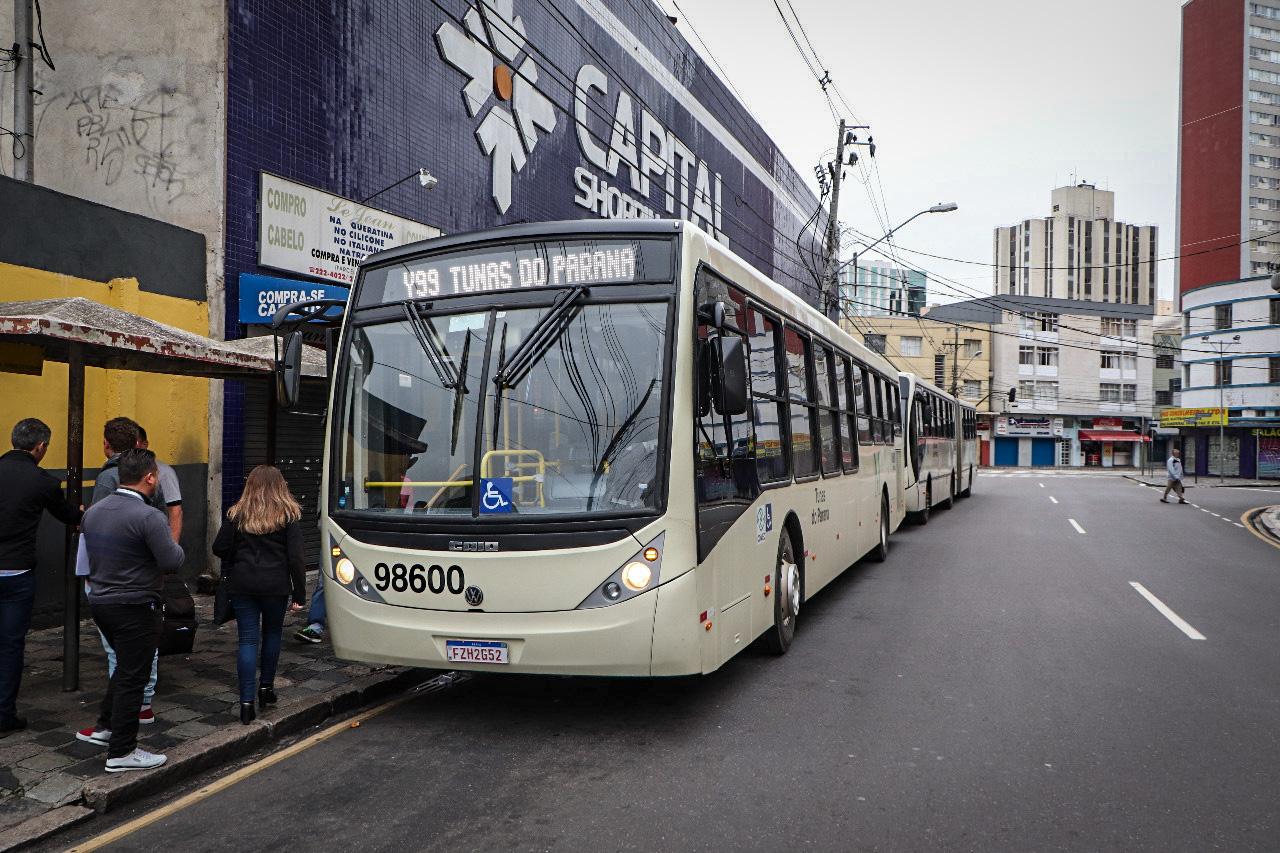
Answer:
(260, 544)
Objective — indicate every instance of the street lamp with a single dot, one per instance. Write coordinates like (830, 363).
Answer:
(1221, 347)
(425, 178)
(941, 207)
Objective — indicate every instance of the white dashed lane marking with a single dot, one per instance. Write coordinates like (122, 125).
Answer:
(1167, 613)
(1076, 525)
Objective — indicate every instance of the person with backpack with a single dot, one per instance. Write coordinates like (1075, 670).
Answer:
(260, 545)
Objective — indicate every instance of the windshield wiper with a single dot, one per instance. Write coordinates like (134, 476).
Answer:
(429, 340)
(550, 326)
(442, 363)
(459, 392)
(542, 337)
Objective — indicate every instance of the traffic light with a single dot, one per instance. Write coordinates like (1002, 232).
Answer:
(1013, 394)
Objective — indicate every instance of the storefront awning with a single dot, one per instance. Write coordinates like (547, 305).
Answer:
(1110, 435)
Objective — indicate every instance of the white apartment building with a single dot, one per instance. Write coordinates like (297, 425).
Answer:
(1078, 252)
(882, 289)
(1231, 361)
(1081, 376)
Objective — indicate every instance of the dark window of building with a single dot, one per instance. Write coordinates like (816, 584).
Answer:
(875, 343)
(1222, 372)
(1275, 312)
(1164, 398)
(940, 369)
(1222, 316)
(1164, 362)
(1273, 370)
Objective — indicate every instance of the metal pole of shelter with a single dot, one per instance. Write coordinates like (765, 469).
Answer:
(75, 496)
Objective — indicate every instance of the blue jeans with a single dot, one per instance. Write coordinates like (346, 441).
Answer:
(17, 596)
(260, 621)
(316, 615)
(148, 692)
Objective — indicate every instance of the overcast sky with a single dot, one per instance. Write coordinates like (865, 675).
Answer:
(988, 104)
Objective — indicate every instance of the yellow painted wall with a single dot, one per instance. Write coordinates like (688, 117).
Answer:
(173, 409)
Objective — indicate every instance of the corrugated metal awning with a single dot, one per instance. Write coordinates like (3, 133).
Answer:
(116, 339)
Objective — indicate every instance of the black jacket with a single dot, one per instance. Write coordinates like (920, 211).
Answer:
(262, 564)
(26, 491)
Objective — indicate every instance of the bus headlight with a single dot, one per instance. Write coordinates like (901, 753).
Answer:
(636, 576)
(641, 572)
(345, 571)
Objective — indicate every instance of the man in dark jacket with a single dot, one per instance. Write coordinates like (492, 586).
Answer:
(130, 549)
(25, 493)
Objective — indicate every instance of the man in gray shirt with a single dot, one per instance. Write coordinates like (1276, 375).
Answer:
(121, 434)
(169, 491)
(1174, 467)
(130, 549)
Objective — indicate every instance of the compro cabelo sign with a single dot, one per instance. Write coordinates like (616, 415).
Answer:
(304, 230)
(262, 295)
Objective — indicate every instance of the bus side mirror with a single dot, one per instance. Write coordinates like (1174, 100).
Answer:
(288, 370)
(731, 389)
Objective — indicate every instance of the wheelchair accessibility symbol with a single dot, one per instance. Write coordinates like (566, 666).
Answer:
(495, 494)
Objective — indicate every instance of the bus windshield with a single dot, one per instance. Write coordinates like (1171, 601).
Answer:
(548, 410)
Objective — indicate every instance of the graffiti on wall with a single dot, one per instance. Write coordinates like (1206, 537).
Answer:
(129, 134)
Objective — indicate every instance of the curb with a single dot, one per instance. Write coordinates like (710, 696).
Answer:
(108, 792)
(43, 826)
(1258, 520)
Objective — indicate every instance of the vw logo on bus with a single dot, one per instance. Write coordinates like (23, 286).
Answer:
(474, 596)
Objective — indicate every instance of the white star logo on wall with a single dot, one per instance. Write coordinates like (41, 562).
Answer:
(487, 52)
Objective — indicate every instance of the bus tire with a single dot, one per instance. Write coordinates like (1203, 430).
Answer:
(922, 517)
(880, 553)
(788, 594)
(968, 490)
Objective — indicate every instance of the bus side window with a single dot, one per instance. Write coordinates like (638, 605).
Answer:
(768, 391)
(828, 413)
(804, 461)
(725, 451)
(877, 426)
(862, 393)
(848, 415)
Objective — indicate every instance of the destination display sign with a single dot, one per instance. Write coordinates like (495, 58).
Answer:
(521, 266)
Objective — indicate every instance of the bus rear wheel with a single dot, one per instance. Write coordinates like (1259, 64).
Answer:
(922, 517)
(786, 599)
(881, 552)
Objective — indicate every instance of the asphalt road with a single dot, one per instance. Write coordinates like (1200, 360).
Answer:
(998, 684)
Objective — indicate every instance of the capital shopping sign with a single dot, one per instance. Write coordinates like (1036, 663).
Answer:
(631, 162)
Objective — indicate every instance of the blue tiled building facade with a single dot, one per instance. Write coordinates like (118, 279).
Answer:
(349, 96)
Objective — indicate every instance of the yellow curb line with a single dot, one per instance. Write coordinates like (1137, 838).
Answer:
(1247, 521)
(126, 829)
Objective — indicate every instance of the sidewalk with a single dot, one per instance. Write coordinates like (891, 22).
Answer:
(1269, 522)
(1209, 480)
(197, 719)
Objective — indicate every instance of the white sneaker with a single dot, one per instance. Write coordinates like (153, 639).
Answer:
(139, 759)
(100, 737)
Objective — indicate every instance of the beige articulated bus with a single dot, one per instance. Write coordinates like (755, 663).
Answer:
(598, 448)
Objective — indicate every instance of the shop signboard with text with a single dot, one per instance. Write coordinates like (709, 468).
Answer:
(315, 233)
(1193, 417)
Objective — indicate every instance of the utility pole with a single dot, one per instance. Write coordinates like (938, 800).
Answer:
(24, 148)
(827, 292)
(955, 361)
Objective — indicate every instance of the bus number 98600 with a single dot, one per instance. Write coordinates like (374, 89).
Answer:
(417, 578)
